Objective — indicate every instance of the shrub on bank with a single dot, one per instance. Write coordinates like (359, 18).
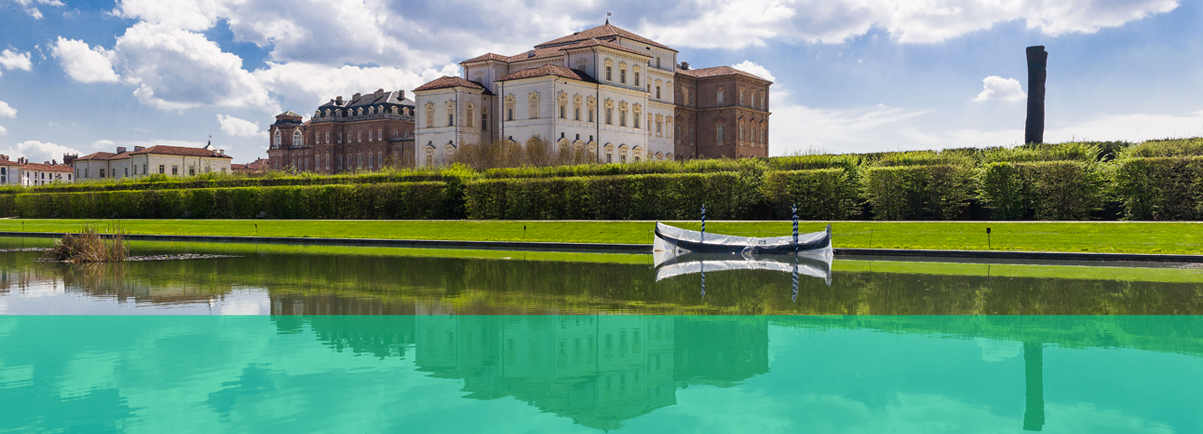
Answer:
(1044, 190)
(934, 192)
(1160, 188)
(820, 194)
(727, 195)
(349, 201)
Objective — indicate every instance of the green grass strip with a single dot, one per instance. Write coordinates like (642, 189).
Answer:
(1098, 237)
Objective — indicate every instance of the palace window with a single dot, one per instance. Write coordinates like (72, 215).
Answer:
(369, 160)
(359, 136)
(657, 92)
(636, 78)
(380, 134)
(622, 76)
(327, 161)
(720, 95)
(279, 140)
(484, 119)
(622, 118)
(175, 170)
(638, 111)
(510, 101)
(741, 97)
(609, 116)
(340, 137)
(144, 169)
(762, 106)
(470, 116)
(369, 135)
(609, 77)
(191, 170)
(718, 134)
(102, 173)
(317, 138)
(534, 105)
(429, 115)
(327, 137)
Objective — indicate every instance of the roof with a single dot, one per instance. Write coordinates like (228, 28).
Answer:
(446, 82)
(487, 56)
(289, 113)
(597, 42)
(179, 150)
(47, 167)
(556, 70)
(375, 98)
(717, 71)
(605, 31)
(96, 156)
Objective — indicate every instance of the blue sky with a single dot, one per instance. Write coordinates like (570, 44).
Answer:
(850, 75)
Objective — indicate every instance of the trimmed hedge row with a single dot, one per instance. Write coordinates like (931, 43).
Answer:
(350, 201)
(1046, 190)
(935, 192)
(161, 182)
(727, 195)
(1160, 188)
(823, 194)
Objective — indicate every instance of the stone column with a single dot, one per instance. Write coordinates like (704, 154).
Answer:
(1037, 62)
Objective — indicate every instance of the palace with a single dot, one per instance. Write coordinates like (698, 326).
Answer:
(367, 132)
(609, 92)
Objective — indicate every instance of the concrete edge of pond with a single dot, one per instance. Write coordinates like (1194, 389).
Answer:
(637, 248)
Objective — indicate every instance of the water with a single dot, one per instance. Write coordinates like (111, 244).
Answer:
(339, 339)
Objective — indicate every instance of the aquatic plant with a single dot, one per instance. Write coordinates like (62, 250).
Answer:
(90, 246)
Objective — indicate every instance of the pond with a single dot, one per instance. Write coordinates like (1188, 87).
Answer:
(352, 339)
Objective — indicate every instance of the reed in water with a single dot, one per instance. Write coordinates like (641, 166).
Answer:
(90, 246)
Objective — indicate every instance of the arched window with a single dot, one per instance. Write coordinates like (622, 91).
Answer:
(609, 153)
(622, 154)
(279, 141)
(297, 138)
(429, 155)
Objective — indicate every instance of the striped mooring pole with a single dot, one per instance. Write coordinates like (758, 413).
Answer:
(795, 211)
(703, 222)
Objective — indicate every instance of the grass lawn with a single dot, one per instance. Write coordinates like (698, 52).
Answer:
(1103, 237)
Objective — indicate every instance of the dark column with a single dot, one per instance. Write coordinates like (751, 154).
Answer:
(1033, 362)
(1037, 71)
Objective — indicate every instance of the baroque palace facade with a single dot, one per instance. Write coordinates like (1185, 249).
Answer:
(367, 132)
(617, 95)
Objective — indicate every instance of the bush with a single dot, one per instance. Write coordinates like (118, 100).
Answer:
(1159, 188)
(822, 194)
(1064, 190)
(1003, 189)
(417, 200)
(1165, 148)
(1075, 151)
(727, 195)
(936, 192)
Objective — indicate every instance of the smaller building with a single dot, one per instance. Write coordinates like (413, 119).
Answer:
(48, 172)
(160, 159)
(255, 167)
(10, 171)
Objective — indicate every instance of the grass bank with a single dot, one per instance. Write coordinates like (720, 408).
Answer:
(1097, 237)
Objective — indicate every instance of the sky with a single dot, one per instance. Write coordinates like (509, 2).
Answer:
(849, 75)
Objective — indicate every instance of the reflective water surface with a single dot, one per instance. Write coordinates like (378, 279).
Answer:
(336, 339)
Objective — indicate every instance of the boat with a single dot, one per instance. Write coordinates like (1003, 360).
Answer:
(801, 265)
(671, 241)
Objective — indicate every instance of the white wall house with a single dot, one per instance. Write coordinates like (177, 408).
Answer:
(604, 89)
(160, 159)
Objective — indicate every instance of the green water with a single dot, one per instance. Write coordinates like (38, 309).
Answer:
(340, 339)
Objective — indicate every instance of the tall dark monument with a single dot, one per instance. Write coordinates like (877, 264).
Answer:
(1037, 71)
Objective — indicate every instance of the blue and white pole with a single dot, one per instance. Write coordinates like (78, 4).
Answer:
(703, 222)
(795, 211)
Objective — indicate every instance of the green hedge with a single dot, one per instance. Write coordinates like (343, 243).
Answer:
(1044, 190)
(934, 192)
(162, 182)
(352, 201)
(822, 194)
(727, 195)
(1160, 188)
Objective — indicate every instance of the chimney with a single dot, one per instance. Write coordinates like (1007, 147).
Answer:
(684, 66)
(339, 100)
(120, 149)
(139, 148)
(356, 96)
(401, 94)
(54, 162)
(379, 92)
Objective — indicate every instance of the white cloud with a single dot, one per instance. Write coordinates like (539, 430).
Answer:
(751, 67)
(10, 59)
(3, 131)
(233, 126)
(1132, 127)
(178, 69)
(82, 63)
(38, 152)
(32, 10)
(307, 84)
(752, 22)
(6, 111)
(998, 88)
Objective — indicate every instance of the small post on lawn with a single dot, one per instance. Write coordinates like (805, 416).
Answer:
(256, 229)
(523, 232)
(795, 211)
(703, 222)
(988, 246)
